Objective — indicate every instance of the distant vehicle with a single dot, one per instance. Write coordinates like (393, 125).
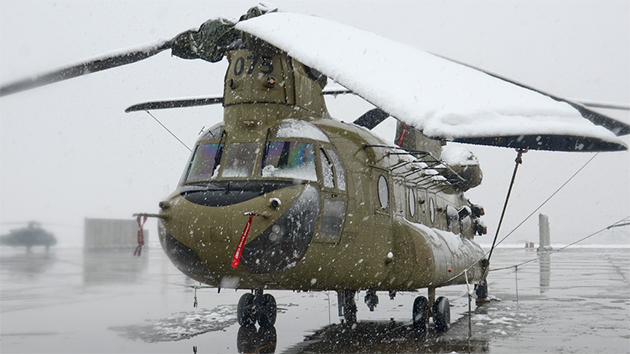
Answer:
(29, 236)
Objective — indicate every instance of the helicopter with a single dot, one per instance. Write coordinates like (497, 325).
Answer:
(300, 143)
(29, 236)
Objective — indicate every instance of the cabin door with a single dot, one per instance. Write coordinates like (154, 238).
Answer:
(333, 197)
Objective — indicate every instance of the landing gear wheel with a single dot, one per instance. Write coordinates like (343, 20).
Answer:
(245, 310)
(442, 314)
(481, 290)
(421, 313)
(267, 312)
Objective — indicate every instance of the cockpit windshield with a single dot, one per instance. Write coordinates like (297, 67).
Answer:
(278, 159)
(288, 159)
(241, 159)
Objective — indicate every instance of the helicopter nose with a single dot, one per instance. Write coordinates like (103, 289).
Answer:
(183, 257)
(283, 244)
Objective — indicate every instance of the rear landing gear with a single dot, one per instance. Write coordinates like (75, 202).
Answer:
(347, 305)
(481, 290)
(257, 307)
(423, 309)
(442, 314)
(440, 311)
(421, 314)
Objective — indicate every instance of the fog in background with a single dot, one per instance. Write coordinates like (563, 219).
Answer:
(68, 150)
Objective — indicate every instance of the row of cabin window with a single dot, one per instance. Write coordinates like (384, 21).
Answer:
(450, 221)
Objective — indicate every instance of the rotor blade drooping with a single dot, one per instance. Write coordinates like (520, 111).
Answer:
(191, 102)
(615, 126)
(84, 68)
(196, 102)
(441, 98)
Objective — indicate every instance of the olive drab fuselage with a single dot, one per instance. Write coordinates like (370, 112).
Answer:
(334, 208)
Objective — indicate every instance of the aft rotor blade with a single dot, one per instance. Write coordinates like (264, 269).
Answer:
(371, 118)
(84, 68)
(337, 92)
(606, 105)
(192, 102)
(441, 98)
(615, 126)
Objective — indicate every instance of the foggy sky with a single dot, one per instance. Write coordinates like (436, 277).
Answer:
(68, 150)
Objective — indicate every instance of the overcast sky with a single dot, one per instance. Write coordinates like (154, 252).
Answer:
(68, 151)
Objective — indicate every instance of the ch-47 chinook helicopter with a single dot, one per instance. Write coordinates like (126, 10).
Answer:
(282, 197)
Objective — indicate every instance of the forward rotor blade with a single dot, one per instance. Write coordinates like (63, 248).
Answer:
(193, 102)
(84, 68)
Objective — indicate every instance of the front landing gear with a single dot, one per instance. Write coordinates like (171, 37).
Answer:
(481, 290)
(440, 311)
(256, 307)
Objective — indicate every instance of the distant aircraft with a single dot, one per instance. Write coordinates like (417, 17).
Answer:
(29, 236)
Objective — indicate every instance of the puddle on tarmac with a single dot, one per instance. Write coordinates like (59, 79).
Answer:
(183, 325)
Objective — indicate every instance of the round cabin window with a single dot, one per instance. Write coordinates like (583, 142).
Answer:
(452, 217)
(432, 210)
(412, 203)
(383, 192)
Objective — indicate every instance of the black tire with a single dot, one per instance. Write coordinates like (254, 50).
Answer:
(481, 290)
(421, 313)
(268, 311)
(244, 310)
(442, 314)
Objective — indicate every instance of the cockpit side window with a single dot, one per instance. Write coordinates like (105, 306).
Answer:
(206, 158)
(327, 170)
(205, 162)
(333, 175)
(339, 172)
(289, 159)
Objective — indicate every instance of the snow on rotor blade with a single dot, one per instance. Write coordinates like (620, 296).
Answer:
(441, 98)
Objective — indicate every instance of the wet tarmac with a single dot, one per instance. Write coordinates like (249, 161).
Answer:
(68, 301)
